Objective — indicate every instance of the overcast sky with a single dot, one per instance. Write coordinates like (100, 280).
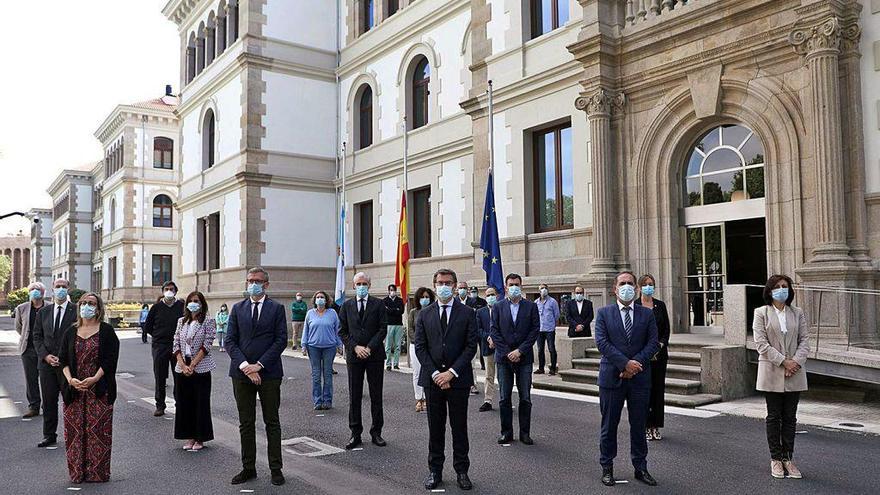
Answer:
(65, 66)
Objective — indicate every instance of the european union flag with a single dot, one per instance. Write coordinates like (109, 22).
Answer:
(489, 242)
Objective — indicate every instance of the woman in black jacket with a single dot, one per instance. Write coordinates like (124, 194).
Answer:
(660, 360)
(88, 356)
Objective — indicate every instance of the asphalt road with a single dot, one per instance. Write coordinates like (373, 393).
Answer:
(720, 454)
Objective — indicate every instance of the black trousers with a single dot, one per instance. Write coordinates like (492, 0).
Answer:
(143, 334)
(658, 391)
(193, 418)
(548, 338)
(375, 373)
(453, 401)
(163, 361)
(31, 362)
(270, 401)
(611, 406)
(781, 423)
(51, 379)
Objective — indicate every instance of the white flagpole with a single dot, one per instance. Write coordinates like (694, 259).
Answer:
(343, 174)
(405, 158)
(491, 131)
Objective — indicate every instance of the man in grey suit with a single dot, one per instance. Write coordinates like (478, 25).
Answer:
(25, 317)
(52, 320)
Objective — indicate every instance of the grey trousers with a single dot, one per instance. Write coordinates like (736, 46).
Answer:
(30, 360)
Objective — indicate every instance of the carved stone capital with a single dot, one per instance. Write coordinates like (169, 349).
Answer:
(851, 34)
(822, 37)
(602, 102)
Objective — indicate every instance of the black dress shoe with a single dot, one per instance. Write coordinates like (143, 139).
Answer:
(378, 441)
(244, 475)
(388, 368)
(159, 412)
(552, 370)
(646, 478)
(539, 371)
(31, 413)
(397, 367)
(526, 439)
(487, 406)
(47, 442)
(608, 476)
(277, 477)
(464, 482)
(353, 442)
(505, 439)
(433, 480)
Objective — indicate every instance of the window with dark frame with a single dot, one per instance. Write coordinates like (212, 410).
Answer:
(365, 118)
(161, 269)
(393, 7)
(208, 242)
(162, 212)
(421, 222)
(368, 12)
(111, 267)
(547, 15)
(163, 153)
(553, 181)
(208, 140)
(421, 80)
(364, 213)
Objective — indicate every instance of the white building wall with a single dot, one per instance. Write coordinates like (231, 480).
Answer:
(311, 240)
(188, 241)
(389, 216)
(141, 265)
(231, 226)
(498, 24)
(226, 103)
(83, 238)
(292, 101)
(447, 39)
(304, 22)
(503, 174)
(83, 197)
(83, 277)
(870, 72)
(452, 207)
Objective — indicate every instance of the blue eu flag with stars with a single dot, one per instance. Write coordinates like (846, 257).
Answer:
(489, 242)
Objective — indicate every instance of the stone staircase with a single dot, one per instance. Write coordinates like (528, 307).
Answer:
(683, 386)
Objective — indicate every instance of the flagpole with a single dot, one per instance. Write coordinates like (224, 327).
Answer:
(405, 193)
(343, 174)
(491, 133)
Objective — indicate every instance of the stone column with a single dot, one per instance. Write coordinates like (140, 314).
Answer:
(599, 108)
(820, 46)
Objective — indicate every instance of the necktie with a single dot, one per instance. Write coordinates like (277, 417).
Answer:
(58, 320)
(362, 304)
(627, 322)
(444, 319)
(255, 317)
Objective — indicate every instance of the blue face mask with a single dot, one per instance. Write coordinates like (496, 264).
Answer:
(626, 293)
(425, 301)
(87, 312)
(362, 291)
(648, 290)
(491, 300)
(61, 293)
(193, 307)
(780, 294)
(462, 292)
(255, 290)
(35, 294)
(320, 302)
(444, 292)
(578, 297)
(514, 291)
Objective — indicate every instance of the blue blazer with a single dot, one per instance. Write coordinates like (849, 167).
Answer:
(263, 343)
(522, 335)
(616, 351)
(483, 330)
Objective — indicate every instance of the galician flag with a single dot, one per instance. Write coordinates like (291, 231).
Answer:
(340, 260)
(401, 273)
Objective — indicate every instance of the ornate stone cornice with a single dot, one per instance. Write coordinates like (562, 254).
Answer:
(822, 37)
(601, 103)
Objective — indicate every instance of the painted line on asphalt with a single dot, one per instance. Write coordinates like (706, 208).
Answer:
(8, 408)
(169, 408)
(680, 411)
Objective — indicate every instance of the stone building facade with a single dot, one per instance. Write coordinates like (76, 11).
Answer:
(72, 208)
(17, 249)
(40, 245)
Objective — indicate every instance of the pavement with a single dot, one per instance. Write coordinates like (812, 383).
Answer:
(702, 451)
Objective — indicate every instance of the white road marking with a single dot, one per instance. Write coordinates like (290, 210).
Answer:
(7, 405)
(621, 482)
(17, 402)
(52, 448)
(680, 411)
(169, 404)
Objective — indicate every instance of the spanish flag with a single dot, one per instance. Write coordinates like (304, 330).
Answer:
(401, 273)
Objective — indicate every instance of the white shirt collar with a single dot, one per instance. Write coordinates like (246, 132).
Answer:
(261, 300)
(620, 305)
(64, 305)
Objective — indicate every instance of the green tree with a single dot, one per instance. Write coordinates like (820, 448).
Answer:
(75, 294)
(17, 297)
(5, 269)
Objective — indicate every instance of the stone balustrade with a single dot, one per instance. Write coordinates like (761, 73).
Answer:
(640, 10)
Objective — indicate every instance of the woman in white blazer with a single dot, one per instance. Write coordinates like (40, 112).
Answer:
(783, 342)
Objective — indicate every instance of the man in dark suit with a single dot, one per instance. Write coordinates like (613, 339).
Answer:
(487, 348)
(478, 302)
(626, 335)
(445, 343)
(25, 315)
(514, 329)
(256, 336)
(52, 320)
(579, 312)
(363, 326)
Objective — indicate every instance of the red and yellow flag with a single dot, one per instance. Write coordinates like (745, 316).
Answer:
(401, 273)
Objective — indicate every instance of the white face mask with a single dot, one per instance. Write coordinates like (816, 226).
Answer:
(169, 294)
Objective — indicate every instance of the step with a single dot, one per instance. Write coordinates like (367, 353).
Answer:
(689, 401)
(675, 357)
(673, 385)
(682, 371)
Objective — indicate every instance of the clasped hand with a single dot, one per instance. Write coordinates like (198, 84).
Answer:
(362, 352)
(82, 385)
(791, 367)
(443, 380)
(632, 369)
(514, 356)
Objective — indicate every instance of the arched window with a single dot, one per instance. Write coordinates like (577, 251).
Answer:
(200, 48)
(221, 29)
(208, 140)
(162, 215)
(112, 214)
(726, 164)
(421, 78)
(191, 59)
(210, 43)
(163, 153)
(365, 118)
(232, 21)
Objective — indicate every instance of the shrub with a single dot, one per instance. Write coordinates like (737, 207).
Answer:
(17, 297)
(75, 294)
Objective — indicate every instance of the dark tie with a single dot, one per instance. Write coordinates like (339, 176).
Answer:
(627, 322)
(361, 307)
(444, 319)
(58, 320)
(255, 317)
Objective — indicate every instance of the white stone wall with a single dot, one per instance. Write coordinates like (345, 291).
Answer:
(303, 22)
(226, 103)
(229, 206)
(83, 198)
(305, 239)
(452, 208)
(83, 238)
(870, 72)
(290, 102)
(388, 210)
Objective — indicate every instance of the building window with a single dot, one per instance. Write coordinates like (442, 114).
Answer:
(97, 280)
(368, 11)
(62, 206)
(161, 269)
(97, 238)
(221, 31)
(421, 222)
(208, 242)
(111, 272)
(365, 118)
(548, 15)
(210, 44)
(726, 164)
(162, 214)
(191, 61)
(393, 7)
(554, 186)
(232, 22)
(112, 214)
(421, 79)
(200, 49)
(208, 140)
(163, 153)
(364, 232)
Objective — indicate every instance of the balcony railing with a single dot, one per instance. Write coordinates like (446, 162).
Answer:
(637, 11)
